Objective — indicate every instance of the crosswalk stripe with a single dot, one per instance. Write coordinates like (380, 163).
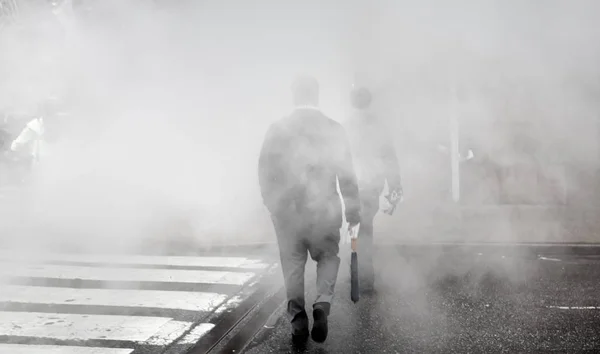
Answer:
(58, 303)
(58, 349)
(169, 333)
(181, 300)
(182, 261)
(197, 333)
(79, 327)
(8, 270)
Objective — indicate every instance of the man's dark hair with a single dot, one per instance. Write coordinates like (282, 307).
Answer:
(360, 97)
(305, 90)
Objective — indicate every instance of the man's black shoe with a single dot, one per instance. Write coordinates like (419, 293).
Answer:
(319, 330)
(300, 328)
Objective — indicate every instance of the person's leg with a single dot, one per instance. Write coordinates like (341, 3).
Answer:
(324, 249)
(366, 271)
(293, 255)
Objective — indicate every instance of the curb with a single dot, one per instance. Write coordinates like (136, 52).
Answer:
(263, 314)
(228, 320)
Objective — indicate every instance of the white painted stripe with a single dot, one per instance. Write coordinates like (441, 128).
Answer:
(136, 259)
(195, 334)
(180, 300)
(549, 259)
(168, 333)
(58, 349)
(123, 274)
(231, 303)
(575, 307)
(258, 265)
(79, 327)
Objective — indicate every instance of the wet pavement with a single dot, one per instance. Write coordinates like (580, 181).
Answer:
(460, 301)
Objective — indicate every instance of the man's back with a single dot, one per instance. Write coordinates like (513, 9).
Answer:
(301, 158)
(371, 146)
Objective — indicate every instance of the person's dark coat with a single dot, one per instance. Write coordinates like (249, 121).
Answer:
(375, 157)
(301, 157)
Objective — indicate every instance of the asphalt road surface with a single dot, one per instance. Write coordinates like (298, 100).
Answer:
(462, 301)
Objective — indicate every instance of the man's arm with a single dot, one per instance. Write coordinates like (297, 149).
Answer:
(391, 164)
(347, 180)
(26, 136)
(269, 176)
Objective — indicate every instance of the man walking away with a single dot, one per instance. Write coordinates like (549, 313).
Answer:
(375, 161)
(301, 157)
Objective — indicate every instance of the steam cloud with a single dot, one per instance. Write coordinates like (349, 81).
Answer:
(169, 102)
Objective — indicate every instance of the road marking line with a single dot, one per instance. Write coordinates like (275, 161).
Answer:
(58, 349)
(8, 270)
(231, 303)
(182, 261)
(549, 259)
(574, 307)
(181, 300)
(195, 334)
(168, 333)
(80, 327)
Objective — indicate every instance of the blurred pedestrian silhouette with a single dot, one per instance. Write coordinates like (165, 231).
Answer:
(303, 156)
(376, 162)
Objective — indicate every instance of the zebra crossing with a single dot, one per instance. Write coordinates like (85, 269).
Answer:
(115, 304)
